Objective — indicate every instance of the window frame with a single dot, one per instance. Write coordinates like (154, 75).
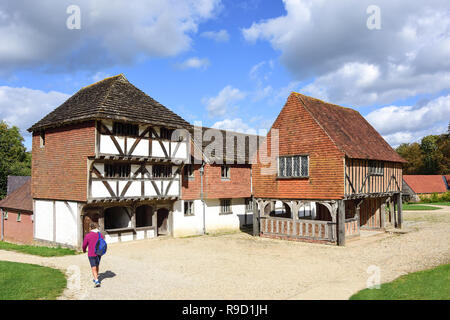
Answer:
(113, 168)
(191, 208)
(162, 174)
(125, 129)
(5, 214)
(189, 176)
(19, 218)
(42, 139)
(248, 205)
(292, 176)
(376, 168)
(228, 172)
(229, 205)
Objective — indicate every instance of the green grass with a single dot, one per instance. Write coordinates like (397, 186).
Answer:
(439, 203)
(432, 284)
(37, 250)
(418, 207)
(20, 281)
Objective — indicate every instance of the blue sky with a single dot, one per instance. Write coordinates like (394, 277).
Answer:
(233, 64)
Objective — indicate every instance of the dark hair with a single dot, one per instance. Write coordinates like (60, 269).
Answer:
(93, 225)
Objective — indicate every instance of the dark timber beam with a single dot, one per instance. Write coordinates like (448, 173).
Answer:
(341, 223)
(255, 218)
(399, 211)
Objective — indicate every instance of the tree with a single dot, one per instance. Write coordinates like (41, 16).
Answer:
(431, 156)
(14, 158)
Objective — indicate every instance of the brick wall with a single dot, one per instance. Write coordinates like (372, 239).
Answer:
(18, 231)
(238, 186)
(299, 133)
(59, 169)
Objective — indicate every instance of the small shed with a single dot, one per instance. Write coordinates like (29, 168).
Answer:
(17, 215)
(423, 185)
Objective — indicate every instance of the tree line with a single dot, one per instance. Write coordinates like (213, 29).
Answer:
(14, 158)
(429, 156)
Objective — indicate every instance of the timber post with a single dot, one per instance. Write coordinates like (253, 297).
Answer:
(383, 215)
(341, 223)
(255, 219)
(399, 211)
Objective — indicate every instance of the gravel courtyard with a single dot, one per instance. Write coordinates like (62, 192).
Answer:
(238, 266)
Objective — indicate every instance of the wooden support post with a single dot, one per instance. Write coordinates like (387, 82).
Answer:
(341, 223)
(383, 215)
(256, 219)
(101, 220)
(395, 208)
(399, 211)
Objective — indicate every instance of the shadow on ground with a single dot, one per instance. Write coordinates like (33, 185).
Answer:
(106, 275)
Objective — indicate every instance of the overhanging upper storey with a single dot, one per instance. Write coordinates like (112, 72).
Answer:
(124, 140)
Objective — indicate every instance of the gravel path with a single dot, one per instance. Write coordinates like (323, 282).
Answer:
(238, 266)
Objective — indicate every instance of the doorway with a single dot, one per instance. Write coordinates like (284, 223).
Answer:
(163, 221)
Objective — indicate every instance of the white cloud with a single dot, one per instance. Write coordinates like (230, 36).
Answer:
(224, 101)
(328, 41)
(237, 125)
(23, 107)
(218, 36)
(194, 63)
(34, 33)
(400, 124)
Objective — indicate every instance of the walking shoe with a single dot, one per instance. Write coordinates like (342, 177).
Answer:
(97, 283)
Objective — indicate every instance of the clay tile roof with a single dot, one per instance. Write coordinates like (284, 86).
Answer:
(15, 182)
(425, 183)
(237, 156)
(348, 129)
(19, 199)
(111, 98)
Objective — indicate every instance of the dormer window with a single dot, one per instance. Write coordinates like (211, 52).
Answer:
(125, 129)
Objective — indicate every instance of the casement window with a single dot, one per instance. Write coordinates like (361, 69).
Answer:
(5, 214)
(188, 208)
(225, 206)
(125, 129)
(161, 171)
(225, 172)
(248, 205)
(376, 168)
(293, 166)
(18, 217)
(188, 171)
(42, 139)
(117, 170)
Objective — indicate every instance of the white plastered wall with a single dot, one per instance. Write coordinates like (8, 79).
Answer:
(57, 221)
(215, 222)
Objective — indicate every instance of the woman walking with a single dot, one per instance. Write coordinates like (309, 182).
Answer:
(89, 242)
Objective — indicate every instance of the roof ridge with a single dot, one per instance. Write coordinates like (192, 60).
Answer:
(325, 102)
(108, 91)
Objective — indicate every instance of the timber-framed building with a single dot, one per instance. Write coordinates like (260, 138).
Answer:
(113, 155)
(332, 177)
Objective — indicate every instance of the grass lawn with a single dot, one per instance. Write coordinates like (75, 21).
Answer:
(37, 250)
(432, 284)
(20, 281)
(442, 203)
(420, 207)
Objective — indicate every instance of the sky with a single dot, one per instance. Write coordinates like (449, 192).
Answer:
(232, 64)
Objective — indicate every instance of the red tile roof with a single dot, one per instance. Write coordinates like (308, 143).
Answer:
(19, 199)
(425, 183)
(350, 131)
